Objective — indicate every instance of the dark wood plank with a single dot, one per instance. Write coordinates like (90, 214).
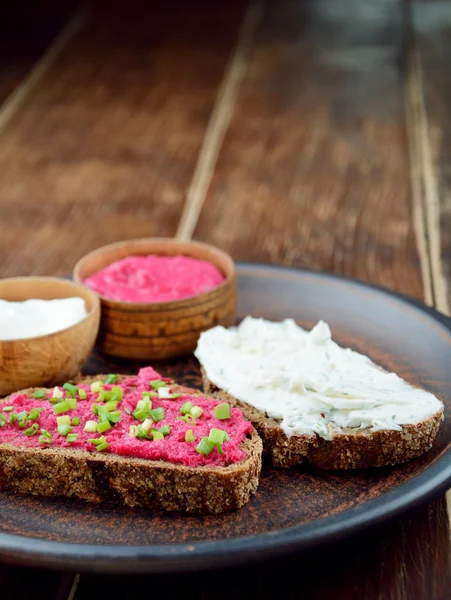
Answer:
(22, 584)
(432, 36)
(314, 169)
(26, 31)
(392, 562)
(104, 147)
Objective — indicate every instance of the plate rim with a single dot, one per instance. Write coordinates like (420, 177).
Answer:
(433, 480)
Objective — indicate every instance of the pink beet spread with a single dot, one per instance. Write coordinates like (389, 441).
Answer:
(155, 278)
(173, 448)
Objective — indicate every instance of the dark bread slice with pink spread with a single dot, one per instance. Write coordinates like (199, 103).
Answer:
(159, 455)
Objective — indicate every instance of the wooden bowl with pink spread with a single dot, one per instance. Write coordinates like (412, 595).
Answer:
(158, 294)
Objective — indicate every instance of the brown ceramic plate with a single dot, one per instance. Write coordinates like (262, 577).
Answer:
(292, 509)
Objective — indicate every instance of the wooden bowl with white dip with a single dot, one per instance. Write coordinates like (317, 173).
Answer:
(44, 359)
(159, 329)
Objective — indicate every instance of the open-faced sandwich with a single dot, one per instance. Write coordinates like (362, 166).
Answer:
(314, 401)
(136, 440)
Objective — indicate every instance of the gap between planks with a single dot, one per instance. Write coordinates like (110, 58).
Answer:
(16, 99)
(74, 587)
(218, 124)
(425, 190)
(426, 197)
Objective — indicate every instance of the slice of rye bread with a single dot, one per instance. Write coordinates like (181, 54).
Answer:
(111, 478)
(349, 448)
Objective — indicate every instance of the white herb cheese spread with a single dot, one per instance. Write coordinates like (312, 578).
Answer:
(306, 381)
(33, 318)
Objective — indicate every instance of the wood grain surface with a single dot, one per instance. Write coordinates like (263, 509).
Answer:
(318, 140)
(358, 569)
(310, 167)
(104, 146)
(431, 29)
(26, 30)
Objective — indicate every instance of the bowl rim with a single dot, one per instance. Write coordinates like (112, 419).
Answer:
(94, 308)
(229, 277)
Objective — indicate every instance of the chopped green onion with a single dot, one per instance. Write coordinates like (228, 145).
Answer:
(31, 430)
(34, 414)
(118, 391)
(165, 430)
(42, 439)
(102, 447)
(53, 400)
(64, 429)
(102, 413)
(97, 386)
(165, 392)
(46, 433)
(196, 412)
(71, 389)
(72, 402)
(22, 419)
(12, 418)
(205, 446)
(157, 414)
(147, 424)
(222, 411)
(142, 414)
(140, 432)
(188, 419)
(157, 435)
(111, 379)
(144, 403)
(95, 441)
(111, 406)
(108, 396)
(2, 420)
(133, 431)
(39, 394)
(103, 426)
(189, 436)
(72, 437)
(114, 416)
(157, 384)
(76, 421)
(61, 407)
(90, 427)
(149, 395)
(95, 408)
(82, 395)
(64, 420)
(8, 408)
(57, 393)
(101, 396)
(186, 408)
(218, 436)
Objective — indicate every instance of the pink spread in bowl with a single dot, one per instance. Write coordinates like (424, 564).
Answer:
(153, 278)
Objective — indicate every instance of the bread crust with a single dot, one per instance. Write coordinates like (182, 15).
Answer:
(97, 477)
(349, 449)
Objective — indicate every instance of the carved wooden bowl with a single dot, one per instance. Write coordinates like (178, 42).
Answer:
(160, 330)
(53, 358)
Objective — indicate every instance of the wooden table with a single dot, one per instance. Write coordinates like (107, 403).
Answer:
(307, 133)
